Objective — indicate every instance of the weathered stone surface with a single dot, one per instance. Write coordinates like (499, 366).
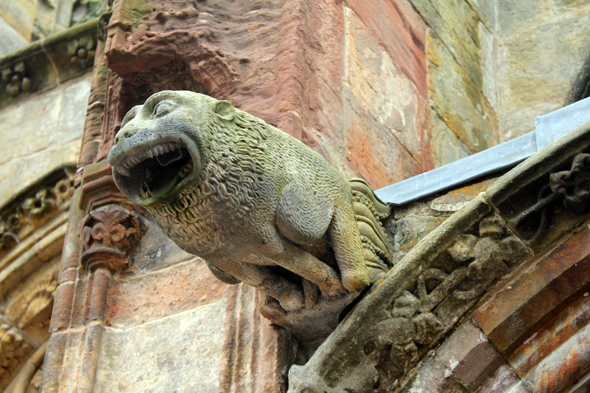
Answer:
(41, 134)
(566, 6)
(385, 115)
(552, 335)
(521, 121)
(536, 293)
(401, 31)
(501, 381)
(164, 292)
(536, 67)
(514, 16)
(465, 362)
(486, 10)
(457, 199)
(458, 100)
(408, 231)
(562, 368)
(455, 23)
(137, 359)
(156, 251)
(488, 64)
(446, 147)
(256, 355)
(11, 39)
(468, 354)
(20, 15)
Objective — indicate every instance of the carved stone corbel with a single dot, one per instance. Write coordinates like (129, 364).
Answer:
(108, 234)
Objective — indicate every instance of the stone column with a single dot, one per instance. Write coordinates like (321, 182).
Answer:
(108, 234)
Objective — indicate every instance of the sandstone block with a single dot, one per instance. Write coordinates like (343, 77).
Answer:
(515, 16)
(401, 32)
(456, 24)
(384, 112)
(539, 65)
(187, 360)
(458, 100)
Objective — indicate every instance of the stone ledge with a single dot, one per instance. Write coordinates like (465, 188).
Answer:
(48, 62)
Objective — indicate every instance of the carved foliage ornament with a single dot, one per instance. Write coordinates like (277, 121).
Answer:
(109, 233)
(21, 220)
(417, 317)
(393, 338)
(13, 350)
(82, 52)
(572, 187)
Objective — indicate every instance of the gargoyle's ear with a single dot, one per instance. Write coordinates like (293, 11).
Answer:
(224, 110)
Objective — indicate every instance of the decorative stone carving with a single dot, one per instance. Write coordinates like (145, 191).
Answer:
(34, 305)
(16, 79)
(82, 51)
(421, 299)
(573, 186)
(13, 350)
(255, 203)
(39, 204)
(570, 186)
(108, 234)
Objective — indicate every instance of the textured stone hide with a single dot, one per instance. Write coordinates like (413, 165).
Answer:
(258, 205)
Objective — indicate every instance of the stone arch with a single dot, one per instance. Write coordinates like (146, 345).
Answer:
(32, 229)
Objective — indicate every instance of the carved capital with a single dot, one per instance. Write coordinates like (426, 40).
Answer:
(108, 234)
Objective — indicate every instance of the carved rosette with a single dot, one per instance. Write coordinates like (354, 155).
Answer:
(108, 234)
(16, 79)
(82, 51)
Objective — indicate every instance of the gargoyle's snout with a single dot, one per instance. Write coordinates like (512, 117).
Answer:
(146, 167)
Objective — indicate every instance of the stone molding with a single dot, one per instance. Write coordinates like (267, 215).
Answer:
(32, 228)
(404, 317)
(47, 62)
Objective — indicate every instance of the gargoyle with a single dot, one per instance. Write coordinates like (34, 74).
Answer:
(255, 203)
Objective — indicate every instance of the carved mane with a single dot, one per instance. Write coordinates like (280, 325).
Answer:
(231, 183)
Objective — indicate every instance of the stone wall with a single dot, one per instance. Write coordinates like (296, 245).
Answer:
(540, 48)
(40, 134)
(493, 66)
(35, 19)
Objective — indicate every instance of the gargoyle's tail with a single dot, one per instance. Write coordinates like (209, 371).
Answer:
(370, 213)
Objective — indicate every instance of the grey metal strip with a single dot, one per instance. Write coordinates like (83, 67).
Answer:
(548, 129)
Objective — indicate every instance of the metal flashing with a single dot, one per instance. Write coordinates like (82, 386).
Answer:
(548, 129)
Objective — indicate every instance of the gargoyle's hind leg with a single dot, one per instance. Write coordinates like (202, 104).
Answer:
(348, 249)
(289, 294)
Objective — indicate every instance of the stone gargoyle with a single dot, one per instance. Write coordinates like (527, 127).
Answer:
(255, 203)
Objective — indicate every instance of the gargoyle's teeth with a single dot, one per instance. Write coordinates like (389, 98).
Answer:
(168, 158)
(123, 171)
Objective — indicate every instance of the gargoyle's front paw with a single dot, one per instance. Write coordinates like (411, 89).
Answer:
(356, 282)
(335, 289)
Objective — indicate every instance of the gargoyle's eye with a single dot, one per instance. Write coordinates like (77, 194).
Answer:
(163, 108)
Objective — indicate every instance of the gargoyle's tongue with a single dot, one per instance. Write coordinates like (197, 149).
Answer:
(168, 158)
(162, 184)
(165, 172)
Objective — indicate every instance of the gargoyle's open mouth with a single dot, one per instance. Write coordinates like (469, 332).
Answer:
(157, 170)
